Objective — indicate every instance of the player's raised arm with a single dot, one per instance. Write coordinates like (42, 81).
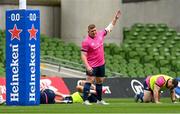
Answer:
(112, 24)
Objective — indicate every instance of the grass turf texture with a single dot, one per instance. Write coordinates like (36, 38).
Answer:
(116, 106)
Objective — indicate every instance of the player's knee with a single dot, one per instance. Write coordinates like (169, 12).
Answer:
(79, 89)
(147, 99)
(99, 81)
(90, 79)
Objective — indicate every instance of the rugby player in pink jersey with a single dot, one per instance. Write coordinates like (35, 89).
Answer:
(92, 55)
(153, 86)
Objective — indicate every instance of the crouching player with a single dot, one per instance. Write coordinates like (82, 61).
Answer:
(152, 87)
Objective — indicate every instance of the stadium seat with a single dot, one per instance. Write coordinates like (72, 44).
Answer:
(172, 74)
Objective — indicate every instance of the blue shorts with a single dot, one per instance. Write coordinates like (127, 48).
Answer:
(97, 71)
(92, 98)
(47, 96)
(146, 86)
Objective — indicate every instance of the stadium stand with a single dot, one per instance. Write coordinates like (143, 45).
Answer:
(156, 47)
(147, 49)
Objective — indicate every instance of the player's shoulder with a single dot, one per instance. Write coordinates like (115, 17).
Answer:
(102, 31)
(86, 40)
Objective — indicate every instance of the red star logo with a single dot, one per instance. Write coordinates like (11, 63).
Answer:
(32, 32)
(15, 32)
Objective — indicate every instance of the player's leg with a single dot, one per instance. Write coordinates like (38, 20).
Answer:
(99, 81)
(80, 89)
(43, 98)
(100, 76)
(51, 96)
(62, 98)
(86, 89)
(47, 96)
(144, 97)
(66, 100)
(147, 91)
(139, 96)
(92, 98)
(59, 94)
(147, 96)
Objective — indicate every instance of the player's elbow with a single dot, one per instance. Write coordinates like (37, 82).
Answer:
(109, 28)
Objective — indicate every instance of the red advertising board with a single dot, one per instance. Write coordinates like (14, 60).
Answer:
(53, 83)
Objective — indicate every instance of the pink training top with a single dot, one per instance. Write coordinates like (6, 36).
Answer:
(95, 48)
(159, 81)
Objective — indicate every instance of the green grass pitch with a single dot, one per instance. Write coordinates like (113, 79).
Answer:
(116, 106)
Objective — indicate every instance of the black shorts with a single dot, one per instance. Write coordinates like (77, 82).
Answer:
(47, 96)
(97, 71)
